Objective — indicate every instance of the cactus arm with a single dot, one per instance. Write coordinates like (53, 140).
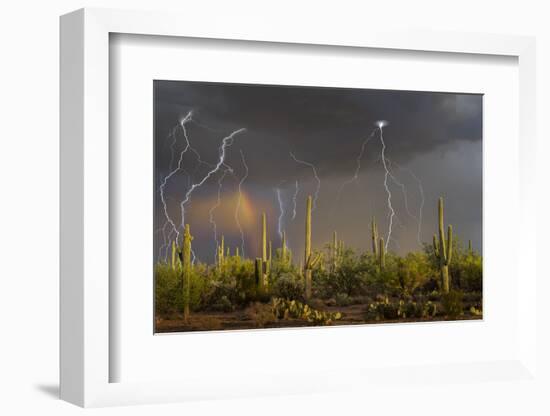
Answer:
(173, 255)
(442, 245)
(313, 260)
(307, 250)
(436, 246)
(264, 238)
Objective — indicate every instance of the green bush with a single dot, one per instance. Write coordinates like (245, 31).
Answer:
(288, 286)
(169, 288)
(452, 303)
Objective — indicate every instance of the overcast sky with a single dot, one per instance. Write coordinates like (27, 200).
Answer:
(433, 147)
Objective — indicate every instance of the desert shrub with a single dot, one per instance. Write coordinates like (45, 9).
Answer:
(413, 271)
(469, 273)
(245, 283)
(223, 305)
(452, 303)
(166, 289)
(343, 299)
(288, 285)
(261, 314)
(169, 288)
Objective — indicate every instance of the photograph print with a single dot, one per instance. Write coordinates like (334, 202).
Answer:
(295, 206)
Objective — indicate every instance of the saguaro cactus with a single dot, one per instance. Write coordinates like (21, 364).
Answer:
(221, 255)
(174, 252)
(185, 257)
(443, 249)
(265, 262)
(382, 254)
(374, 236)
(258, 274)
(334, 251)
(309, 260)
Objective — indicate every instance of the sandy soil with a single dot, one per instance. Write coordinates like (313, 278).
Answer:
(205, 321)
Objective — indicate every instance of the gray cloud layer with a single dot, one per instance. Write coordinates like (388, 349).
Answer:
(437, 135)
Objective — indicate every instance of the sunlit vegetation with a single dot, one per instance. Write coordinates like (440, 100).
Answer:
(329, 285)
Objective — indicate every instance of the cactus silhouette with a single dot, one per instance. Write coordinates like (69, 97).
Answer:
(221, 255)
(185, 257)
(309, 260)
(443, 249)
(334, 251)
(258, 274)
(174, 252)
(265, 261)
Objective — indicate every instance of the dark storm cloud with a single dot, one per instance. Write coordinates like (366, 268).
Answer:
(438, 135)
(334, 121)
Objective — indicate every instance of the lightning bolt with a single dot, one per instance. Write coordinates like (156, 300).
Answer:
(169, 220)
(381, 124)
(238, 207)
(422, 199)
(281, 213)
(314, 170)
(294, 199)
(226, 142)
(358, 159)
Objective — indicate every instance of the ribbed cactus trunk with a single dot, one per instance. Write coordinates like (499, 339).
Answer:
(269, 259)
(221, 255)
(374, 237)
(309, 260)
(174, 252)
(334, 252)
(307, 251)
(265, 263)
(186, 262)
(443, 249)
(258, 274)
(382, 254)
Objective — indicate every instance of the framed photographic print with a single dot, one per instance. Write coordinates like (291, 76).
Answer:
(281, 213)
(311, 172)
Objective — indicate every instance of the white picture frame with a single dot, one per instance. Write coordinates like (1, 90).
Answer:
(85, 355)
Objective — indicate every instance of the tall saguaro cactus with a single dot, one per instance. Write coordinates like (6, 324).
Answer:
(258, 274)
(374, 236)
(186, 263)
(334, 251)
(265, 262)
(443, 248)
(221, 255)
(174, 251)
(309, 260)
